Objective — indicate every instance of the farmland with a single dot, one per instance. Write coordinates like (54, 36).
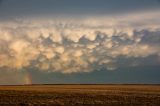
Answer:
(80, 95)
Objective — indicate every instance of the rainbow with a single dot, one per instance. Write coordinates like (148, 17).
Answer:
(27, 78)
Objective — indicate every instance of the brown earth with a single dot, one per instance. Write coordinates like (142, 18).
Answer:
(80, 95)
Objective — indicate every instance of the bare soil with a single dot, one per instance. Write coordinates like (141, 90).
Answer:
(80, 95)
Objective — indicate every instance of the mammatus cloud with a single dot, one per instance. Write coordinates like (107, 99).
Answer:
(79, 45)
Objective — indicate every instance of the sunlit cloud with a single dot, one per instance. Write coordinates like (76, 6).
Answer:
(79, 45)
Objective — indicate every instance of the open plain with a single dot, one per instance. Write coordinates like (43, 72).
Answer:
(80, 95)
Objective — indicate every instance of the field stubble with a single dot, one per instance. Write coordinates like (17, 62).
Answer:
(80, 95)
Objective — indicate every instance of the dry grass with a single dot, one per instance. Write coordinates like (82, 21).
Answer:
(80, 95)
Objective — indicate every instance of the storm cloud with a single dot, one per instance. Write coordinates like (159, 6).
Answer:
(79, 45)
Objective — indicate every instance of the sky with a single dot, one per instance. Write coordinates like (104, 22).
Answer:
(79, 41)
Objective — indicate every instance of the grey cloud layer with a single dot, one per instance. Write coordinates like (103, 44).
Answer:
(84, 45)
(15, 8)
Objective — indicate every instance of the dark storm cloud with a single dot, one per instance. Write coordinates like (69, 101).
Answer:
(150, 37)
(1, 2)
(143, 74)
(158, 1)
(77, 47)
(14, 8)
(79, 40)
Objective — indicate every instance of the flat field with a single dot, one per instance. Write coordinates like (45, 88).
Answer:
(80, 95)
